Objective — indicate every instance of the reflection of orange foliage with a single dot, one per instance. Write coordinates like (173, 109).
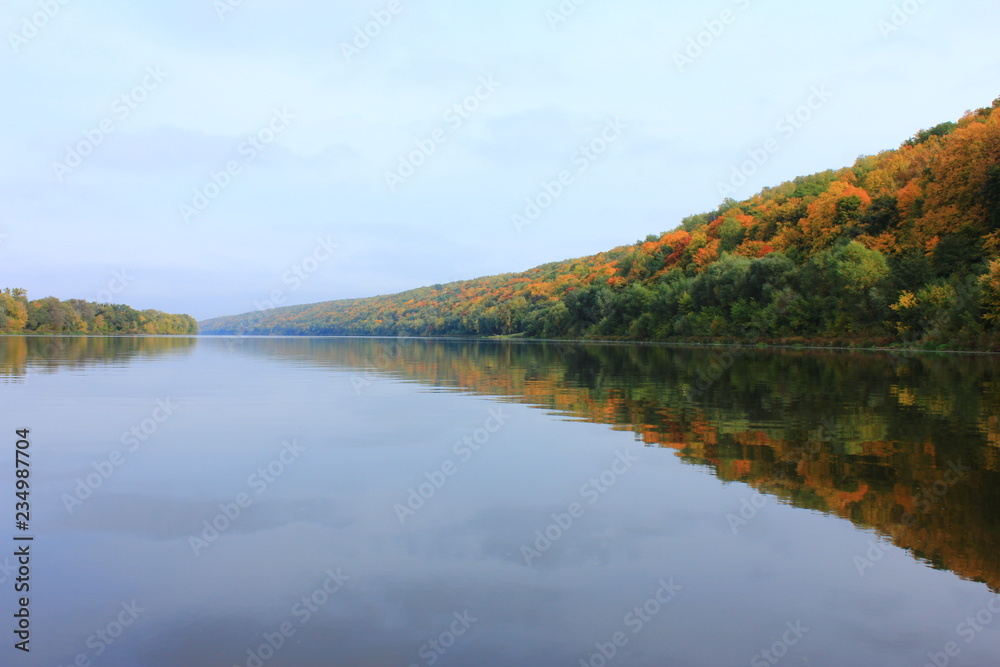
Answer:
(752, 438)
(883, 449)
(874, 486)
(742, 468)
(991, 427)
(844, 498)
(904, 498)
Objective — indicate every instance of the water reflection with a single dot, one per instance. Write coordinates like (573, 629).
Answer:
(906, 445)
(47, 354)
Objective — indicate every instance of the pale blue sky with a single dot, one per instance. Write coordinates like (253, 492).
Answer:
(195, 86)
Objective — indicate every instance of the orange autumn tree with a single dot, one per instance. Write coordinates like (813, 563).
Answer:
(954, 197)
(831, 214)
(677, 242)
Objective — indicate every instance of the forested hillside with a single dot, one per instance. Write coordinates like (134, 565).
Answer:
(902, 248)
(50, 315)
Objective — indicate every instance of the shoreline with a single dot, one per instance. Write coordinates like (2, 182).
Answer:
(814, 344)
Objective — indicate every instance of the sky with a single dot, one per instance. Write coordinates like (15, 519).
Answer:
(214, 157)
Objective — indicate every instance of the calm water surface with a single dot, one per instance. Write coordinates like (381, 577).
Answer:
(326, 502)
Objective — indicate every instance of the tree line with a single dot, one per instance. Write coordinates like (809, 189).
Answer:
(75, 316)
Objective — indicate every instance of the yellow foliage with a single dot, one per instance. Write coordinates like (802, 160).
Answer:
(819, 227)
(906, 300)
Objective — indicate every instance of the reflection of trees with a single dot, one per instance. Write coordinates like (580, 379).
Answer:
(48, 354)
(867, 437)
(860, 435)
